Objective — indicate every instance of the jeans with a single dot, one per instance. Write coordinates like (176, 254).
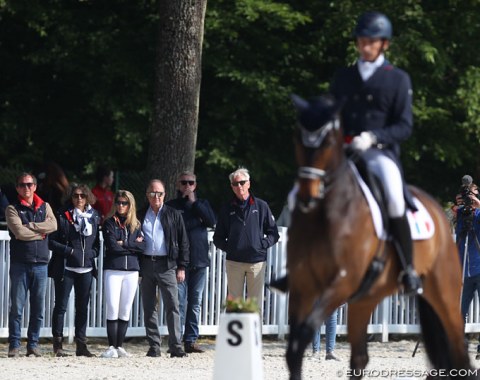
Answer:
(81, 282)
(330, 334)
(26, 277)
(190, 293)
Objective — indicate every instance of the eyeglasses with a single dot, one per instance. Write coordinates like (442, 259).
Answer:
(239, 183)
(122, 203)
(154, 194)
(184, 183)
(79, 196)
(26, 184)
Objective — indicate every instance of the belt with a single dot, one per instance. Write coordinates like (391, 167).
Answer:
(155, 258)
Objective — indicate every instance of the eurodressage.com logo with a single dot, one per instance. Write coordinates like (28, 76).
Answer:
(407, 373)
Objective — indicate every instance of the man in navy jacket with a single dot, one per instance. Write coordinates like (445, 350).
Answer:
(197, 216)
(377, 117)
(245, 230)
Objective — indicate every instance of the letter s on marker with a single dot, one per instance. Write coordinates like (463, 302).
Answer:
(232, 328)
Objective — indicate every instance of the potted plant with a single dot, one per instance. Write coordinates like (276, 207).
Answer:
(241, 305)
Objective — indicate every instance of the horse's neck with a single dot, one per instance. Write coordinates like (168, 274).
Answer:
(345, 193)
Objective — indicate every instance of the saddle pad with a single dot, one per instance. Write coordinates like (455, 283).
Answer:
(421, 223)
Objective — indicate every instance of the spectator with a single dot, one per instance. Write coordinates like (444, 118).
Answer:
(197, 217)
(103, 192)
(330, 338)
(54, 187)
(29, 220)
(245, 230)
(123, 244)
(74, 247)
(468, 225)
(162, 266)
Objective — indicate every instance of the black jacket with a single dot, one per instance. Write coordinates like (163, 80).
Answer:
(382, 104)
(246, 234)
(197, 217)
(121, 257)
(70, 248)
(176, 239)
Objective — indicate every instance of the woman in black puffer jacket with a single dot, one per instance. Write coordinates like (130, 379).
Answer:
(123, 244)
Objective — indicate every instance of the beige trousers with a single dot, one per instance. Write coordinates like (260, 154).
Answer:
(253, 273)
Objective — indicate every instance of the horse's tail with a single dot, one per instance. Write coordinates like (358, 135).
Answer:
(435, 339)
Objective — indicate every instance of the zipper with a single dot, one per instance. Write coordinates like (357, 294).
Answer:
(82, 244)
(126, 239)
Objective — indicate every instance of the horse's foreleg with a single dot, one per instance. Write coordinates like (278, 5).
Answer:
(299, 337)
(358, 318)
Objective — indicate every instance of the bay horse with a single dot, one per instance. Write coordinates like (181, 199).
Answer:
(332, 243)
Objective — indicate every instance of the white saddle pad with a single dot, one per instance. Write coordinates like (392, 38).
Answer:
(421, 223)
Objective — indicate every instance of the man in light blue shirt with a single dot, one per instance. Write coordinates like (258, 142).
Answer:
(162, 266)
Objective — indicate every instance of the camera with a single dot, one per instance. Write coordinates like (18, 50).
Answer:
(465, 193)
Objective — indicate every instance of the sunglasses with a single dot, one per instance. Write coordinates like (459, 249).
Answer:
(79, 196)
(239, 183)
(26, 184)
(184, 183)
(122, 203)
(154, 194)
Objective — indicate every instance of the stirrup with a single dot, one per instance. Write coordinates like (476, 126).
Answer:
(411, 282)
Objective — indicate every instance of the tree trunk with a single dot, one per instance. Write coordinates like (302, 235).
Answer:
(173, 135)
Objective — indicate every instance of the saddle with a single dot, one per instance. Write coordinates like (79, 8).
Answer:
(377, 189)
(421, 224)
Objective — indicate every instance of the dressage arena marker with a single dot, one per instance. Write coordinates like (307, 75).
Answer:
(238, 347)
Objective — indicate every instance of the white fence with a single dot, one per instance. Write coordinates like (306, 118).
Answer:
(395, 315)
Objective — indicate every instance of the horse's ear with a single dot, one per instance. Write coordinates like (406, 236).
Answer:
(299, 103)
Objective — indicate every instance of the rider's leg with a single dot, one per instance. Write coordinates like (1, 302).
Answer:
(404, 247)
(389, 173)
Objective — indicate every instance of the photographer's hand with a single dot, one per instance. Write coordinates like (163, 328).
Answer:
(475, 201)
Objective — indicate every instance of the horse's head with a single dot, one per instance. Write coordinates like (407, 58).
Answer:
(318, 147)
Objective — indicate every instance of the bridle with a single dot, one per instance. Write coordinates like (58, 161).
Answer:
(313, 139)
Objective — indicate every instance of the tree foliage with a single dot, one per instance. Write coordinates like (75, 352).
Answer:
(78, 84)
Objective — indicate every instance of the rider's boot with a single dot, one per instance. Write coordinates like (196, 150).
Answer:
(412, 284)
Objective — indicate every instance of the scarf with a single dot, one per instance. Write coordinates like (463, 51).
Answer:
(82, 221)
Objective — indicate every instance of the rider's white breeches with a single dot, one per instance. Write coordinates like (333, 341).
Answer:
(389, 173)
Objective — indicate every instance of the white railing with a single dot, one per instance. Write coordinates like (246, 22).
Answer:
(395, 315)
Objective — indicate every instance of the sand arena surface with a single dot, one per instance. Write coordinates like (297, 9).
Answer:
(387, 360)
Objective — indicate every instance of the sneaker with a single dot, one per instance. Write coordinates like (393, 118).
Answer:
(193, 348)
(110, 353)
(331, 356)
(122, 353)
(315, 355)
(34, 351)
(153, 352)
(14, 352)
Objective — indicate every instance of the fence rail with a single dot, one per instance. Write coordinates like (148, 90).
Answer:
(395, 315)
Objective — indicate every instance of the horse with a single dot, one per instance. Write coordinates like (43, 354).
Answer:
(332, 244)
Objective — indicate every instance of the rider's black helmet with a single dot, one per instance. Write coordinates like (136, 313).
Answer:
(373, 25)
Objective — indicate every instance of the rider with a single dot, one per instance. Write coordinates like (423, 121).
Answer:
(377, 117)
